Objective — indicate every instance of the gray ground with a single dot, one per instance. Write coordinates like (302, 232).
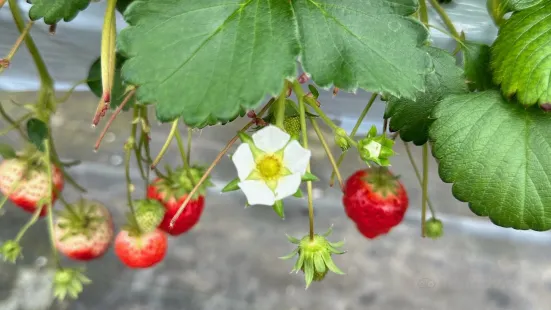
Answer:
(230, 260)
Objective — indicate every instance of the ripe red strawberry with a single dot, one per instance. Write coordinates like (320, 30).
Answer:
(375, 200)
(85, 235)
(172, 191)
(25, 185)
(141, 250)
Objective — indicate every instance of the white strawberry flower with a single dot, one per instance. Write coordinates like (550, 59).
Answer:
(270, 165)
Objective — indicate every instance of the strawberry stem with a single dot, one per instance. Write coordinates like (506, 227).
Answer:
(14, 124)
(59, 164)
(17, 44)
(418, 175)
(180, 143)
(113, 116)
(423, 13)
(31, 222)
(171, 134)
(327, 151)
(302, 112)
(445, 18)
(50, 207)
(137, 148)
(189, 140)
(352, 134)
(425, 188)
(280, 106)
(128, 146)
(214, 163)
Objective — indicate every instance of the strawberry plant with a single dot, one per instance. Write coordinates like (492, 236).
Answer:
(208, 63)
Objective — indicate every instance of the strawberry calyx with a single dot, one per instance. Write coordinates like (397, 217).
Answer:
(69, 282)
(314, 256)
(381, 181)
(80, 218)
(180, 182)
(149, 214)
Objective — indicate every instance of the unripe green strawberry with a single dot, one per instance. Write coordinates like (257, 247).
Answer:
(434, 228)
(149, 214)
(292, 126)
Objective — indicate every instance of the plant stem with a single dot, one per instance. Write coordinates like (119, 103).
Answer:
(145, 138)
(31, 222)
(418, 175)
(189, 140)
(353, 133)
(423, 13)
(16, 124)
(425, 187)
(130, 187)
(302, 112)
(320, 112)
(137, 146)
(182, 149)
(113, 116)
(45, 78)
(17, 44)
(214, 163)
(280, 106)
(327, 151)
(445, 18)
(57, 161)
(12, 123)
(70, 91)
(171, 134)
(458, 40)
(50, 207)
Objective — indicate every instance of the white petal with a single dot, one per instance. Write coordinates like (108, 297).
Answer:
(257, 192)
(243, 161)
(296, 158)
(374, 149)
(287, 186)
(270, 139)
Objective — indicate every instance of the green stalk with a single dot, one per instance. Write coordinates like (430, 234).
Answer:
(327, 151)
(418, 175)
(280, 106)
(49, 201)
(445, 18)
(353, 133)
(127, 156)
(16, 124)
(423, 13)
(137, 149)
(13, 123)
(182, 150)
(171, 134)
(425, 187)
(45, 78)
(189, 140)
(302, 112)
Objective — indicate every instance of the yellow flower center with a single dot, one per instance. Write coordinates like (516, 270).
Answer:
(269, 167)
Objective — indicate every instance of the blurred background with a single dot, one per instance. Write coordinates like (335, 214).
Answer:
(230, 259)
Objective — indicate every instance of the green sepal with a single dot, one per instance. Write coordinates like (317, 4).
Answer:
(245, 138)
(231, 186)
(10, 251)
(314, 91)
(278, 208)
(298, 194)
(309, 177)
(69, 282)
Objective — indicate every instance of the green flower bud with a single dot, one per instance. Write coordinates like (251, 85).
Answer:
(341, 139)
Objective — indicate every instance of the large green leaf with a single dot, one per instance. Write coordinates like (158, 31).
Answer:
(496, 154)
(374, 45)
(123, 4)
(208, 60)
(412, 118)
(119, 89)
(55, 10)
(476, 58)
(521, 55)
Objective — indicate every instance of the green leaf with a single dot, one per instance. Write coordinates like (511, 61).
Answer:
(314, 91)
(55, 10)
(521, 55)
(476, 58)
(498, 8)
(496, 154)
(7, 151)
(375, 45)
(412, 118)
(119, 89)
(123, 4)
(208, 61)
(38, 132)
